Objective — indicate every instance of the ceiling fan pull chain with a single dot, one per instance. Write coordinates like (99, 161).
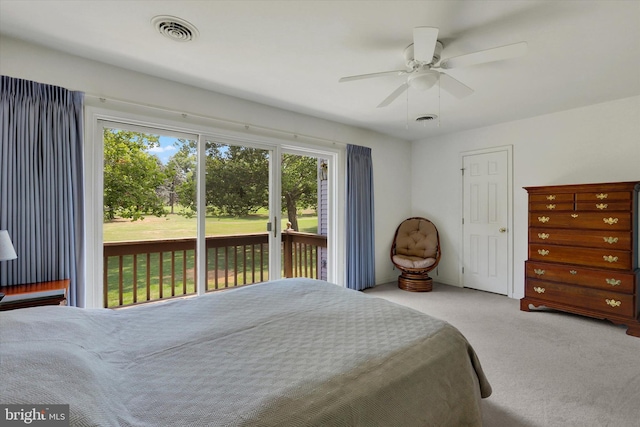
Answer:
(406, 126)
(439, 103)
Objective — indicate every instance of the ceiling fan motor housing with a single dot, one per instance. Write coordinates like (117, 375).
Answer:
(412, 63)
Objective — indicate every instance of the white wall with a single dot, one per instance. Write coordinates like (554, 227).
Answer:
(391, 156)
(597, 143)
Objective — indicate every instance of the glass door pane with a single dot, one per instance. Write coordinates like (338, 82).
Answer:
(304, 189)
(237, 213)
(149, 225)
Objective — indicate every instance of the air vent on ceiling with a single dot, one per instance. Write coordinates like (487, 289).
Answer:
(175, 28)
(426, 118)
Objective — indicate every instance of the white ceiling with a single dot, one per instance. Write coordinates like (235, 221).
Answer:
(290, 54)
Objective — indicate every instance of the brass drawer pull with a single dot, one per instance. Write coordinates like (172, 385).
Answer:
(539, 289)
(610, 240)
(613, 282)
(551, 197)
(551, 206)
(601, 206)
(543, 252)
(538, 271)
(543, 236)
(574, 215)
(601, 196)
(613, 303)
(574, 272)
(610, 221)
(543, 219)
(610, 258)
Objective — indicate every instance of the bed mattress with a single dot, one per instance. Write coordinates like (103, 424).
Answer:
(292, 352)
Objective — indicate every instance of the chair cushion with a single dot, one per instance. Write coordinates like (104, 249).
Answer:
(417, 238)
(413, 262)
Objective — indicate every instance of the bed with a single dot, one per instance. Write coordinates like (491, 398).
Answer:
(291, 352)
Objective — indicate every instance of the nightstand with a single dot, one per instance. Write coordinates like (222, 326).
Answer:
(34, 294)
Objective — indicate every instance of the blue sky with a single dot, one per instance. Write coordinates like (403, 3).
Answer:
(166, 149)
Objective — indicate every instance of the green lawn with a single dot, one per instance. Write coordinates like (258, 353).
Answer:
(175, 225)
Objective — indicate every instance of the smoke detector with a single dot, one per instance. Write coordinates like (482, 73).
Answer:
(426, 118)
(175, 28)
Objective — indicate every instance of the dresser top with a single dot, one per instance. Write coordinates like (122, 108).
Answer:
(609, 186)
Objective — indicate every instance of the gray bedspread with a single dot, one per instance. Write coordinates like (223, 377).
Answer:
(292, 352)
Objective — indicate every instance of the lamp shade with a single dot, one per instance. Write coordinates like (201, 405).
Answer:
(6, 247)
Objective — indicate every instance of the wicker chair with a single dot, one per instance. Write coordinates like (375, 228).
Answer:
(415, 252)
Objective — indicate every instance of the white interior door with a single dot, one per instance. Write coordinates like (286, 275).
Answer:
(486, 221)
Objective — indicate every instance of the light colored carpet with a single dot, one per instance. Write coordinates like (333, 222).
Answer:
(546, 368)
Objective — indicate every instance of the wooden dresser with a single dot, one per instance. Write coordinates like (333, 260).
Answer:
(583, 251)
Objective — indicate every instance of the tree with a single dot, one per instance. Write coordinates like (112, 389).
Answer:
(237, 179)
(180, 170)
(299, 185)
(132, 176)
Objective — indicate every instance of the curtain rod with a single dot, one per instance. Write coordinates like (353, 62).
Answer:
(246, 126)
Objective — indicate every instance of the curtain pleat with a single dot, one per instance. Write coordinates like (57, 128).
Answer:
(360, 266)
(41, 184)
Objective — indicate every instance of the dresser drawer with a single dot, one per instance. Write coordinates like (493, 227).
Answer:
(610, 280)
(603, 196)
(604, 206)
(619, 260)
(551, 197)
(619, 240)
(577, 296)
(552, 206)
(582, 220)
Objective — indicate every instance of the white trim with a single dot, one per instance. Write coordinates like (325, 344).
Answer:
(201, 196)
(510, 231)
(205, 124)
(120, 125)
(275, 213)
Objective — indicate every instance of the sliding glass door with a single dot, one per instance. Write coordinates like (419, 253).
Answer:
(149, 227)
(237, 211)
(177, 214)
(305, 220)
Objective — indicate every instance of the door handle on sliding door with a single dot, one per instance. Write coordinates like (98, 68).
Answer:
(273, 226)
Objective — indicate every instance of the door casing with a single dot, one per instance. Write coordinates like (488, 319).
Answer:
(508, 203)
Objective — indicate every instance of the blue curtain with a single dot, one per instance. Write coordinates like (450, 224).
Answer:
(41, 184)
(360, 266)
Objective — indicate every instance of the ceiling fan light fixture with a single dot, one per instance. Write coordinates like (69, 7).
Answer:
(423, 80)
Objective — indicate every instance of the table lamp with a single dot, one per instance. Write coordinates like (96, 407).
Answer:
(6, 250)
(6, 247)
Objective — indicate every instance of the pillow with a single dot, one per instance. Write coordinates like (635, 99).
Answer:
(417, 238)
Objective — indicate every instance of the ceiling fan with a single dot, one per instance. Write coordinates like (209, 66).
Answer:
(423, 64)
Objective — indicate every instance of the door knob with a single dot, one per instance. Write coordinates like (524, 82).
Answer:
(503, 230)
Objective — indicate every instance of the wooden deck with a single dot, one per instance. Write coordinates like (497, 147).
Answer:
(141, 271)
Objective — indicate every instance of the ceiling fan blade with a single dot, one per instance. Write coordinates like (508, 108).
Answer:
(368, 76)
(454, 87)
(495, 54)
(396, 93)
(424, 43)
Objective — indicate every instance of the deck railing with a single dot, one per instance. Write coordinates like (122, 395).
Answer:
(141, 271)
